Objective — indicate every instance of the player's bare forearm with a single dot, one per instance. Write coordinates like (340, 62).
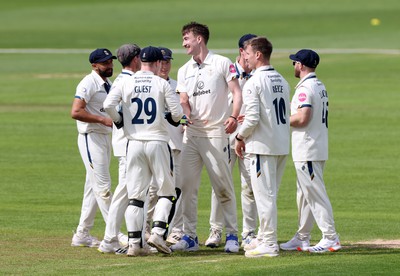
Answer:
(184, 101)
(301, 118)
(78, 112)
(237, 97)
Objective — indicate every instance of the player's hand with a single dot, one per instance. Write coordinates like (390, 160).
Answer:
(230, 125)
(107, 122)
(240, 147)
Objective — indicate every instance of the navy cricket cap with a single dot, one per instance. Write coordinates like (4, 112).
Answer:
(167, 53)
(100, 55)
(244, 38)
(306, 57)
(151, 54)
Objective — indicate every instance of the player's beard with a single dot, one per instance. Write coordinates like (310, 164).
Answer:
(106, 73)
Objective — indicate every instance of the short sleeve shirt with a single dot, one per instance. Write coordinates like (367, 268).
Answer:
(310, 143)
(206, 85)
(91, 90)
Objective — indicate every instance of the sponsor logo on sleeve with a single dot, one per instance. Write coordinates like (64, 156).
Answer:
(302, 97)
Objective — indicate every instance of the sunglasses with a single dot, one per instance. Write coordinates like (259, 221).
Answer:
(294, 62)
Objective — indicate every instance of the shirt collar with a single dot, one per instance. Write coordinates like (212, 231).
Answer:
(306, 77)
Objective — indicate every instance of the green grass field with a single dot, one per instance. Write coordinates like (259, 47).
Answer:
(42, 174)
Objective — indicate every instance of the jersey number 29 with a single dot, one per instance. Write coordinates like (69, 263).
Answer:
(149, 107)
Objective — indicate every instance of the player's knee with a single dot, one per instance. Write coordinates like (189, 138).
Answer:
(136, 203)
(170, 198)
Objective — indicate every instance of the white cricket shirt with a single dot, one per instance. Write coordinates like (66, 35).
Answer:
(206, 85)
(144, 98)
(91, 90)
(266, 125)
(119, 140)
(310, 143)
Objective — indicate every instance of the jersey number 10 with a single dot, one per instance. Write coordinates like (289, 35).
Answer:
(280, 110)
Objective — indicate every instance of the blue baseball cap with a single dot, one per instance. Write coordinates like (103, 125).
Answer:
(167, 53)
(306, 57)
(100, 55)
(151, 54)
(244, 38)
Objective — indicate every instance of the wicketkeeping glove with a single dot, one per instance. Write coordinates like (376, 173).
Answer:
(120, 124)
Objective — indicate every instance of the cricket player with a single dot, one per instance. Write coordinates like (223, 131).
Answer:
(204, 83)
(128, 56)
(265, 136)
(94, 142)
(309, 121)
(144, 99)
(176, 134)
(249, 208)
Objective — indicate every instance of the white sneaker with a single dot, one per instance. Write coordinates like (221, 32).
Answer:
(158, 242)
(83, 238)
(123, 239)
(232, 244)
(186, 244)
(108, 247)
(295, 244)
(263, 250)
(326, 245)
(214, 239)
(252, 245)
(174, 237)
(248, 238)
(135, 250)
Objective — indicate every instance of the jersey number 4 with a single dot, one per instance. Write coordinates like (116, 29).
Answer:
(325, 114)
(149, 107)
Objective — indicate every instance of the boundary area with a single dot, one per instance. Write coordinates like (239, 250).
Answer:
(219, 51)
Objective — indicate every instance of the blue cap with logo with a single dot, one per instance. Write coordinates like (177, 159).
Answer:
(101, 55)
(306, 57)
(151, 54)
(244, 38)
(167, 53)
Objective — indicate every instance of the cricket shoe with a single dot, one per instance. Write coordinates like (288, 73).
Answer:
(108, 247)
(252, 245)
(263, 250)
(296, 244)
(122, 250)
(326, 245)
(123, 239)
(232, 244)
(246, 239)
(134, 250)
(83, 238)
(158, 242)
(174, 237)
(214, 239)
(186, 244)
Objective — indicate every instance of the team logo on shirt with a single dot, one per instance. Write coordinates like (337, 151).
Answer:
(302, 97)
(232, 68)
(200, 91)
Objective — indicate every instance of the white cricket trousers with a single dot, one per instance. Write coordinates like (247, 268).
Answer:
(266, 175)
(119, 203)
(95, 150)
(249, 208)
(147, 159)
(313, 201)
(213, 153)
(177, 221)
